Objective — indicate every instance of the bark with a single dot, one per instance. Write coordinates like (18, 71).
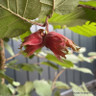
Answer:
(2, 55)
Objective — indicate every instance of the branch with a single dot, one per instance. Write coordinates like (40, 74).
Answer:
(55, 79)
(29, 21)
(2, 55)
(2, 58)
(47, 24)
(20, 54)
(86, 6)
(13, 56)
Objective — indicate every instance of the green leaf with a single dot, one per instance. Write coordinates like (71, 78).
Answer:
(88, 29)
(4, 90)
(24, 66)
(64, 63)
(89, 3)
(61, 85)
(83, 58)
(65, 6)
(92, 53)
(82, 50)
(30, 67)
(77, 17)
(60, 6)
(42, 88)
(81, 69)
(16, 83)
(81, 21)
(13, 15)
(9, 49)
(80, 91)
(11, 88)
(24, 90)
(57, 93)
(73, 58)
(50, 64)
(25, 35)
(2, 75)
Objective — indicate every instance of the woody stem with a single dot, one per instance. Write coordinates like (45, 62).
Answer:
(55, 79)
(2, 57)
(47, 24)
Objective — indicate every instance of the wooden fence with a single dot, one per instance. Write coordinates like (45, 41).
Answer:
(48, 73)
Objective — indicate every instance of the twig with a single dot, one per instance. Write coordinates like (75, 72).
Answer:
(2, 55)
(55, 79)
(49, 16)
(13, 56)
(29, 21)
(2, 58)
(47, 24)
(86, 6)
(20, 54)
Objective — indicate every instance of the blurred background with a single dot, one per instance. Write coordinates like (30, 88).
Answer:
(48, 72)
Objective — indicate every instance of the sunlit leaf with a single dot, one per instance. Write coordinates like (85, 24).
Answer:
(24, 90)
(4, 90)
(77, 90)
(9, 49)
(82, 69)
(61, 85)
(11, 88)
(25, 35)
(92, 53)
(63, 63)
(88, 29)
(89, 3)
(42, 88)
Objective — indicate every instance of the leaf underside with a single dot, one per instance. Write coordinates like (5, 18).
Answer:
(13, 13)
(11, 25)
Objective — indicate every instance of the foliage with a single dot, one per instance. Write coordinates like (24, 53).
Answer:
(29, 86)
(2, 75)
(18, 17)
(9, 49)
(89, 3)
(81, 69)
(80, 90)
(24, 66)
(25, 89)
(88, 29)
(4, 90)
(63, 63)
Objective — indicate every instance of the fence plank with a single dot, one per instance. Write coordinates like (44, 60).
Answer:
(69, 73)
(88, 43)
(21, 75)
(76, 74)
(48, 73)
(9, 72)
